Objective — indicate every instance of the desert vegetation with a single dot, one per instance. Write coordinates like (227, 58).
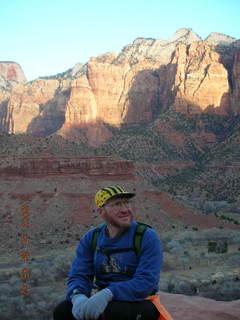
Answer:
(203, 263)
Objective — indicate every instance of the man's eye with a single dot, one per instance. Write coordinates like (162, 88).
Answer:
(117, 204)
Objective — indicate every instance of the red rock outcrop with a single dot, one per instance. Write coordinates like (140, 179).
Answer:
(81, 106)
(37, 108)
(199, 80)
(124, 93)
(198, 308)
(92, 133)
(43, 166)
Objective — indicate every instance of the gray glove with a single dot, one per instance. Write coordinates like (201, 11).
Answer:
(96, 304)
(78, 301)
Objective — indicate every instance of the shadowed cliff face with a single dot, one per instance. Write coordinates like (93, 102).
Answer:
(184, 73)
(235, 105)
(37, 108)
(4, 125)
(51, 115)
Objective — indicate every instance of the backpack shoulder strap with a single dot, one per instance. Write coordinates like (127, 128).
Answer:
(137, 239)
(95, 237)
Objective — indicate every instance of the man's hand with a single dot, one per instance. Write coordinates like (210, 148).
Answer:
(95, 305)
(78, 302)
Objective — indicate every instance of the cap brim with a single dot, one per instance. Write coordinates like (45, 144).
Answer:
(121, 195)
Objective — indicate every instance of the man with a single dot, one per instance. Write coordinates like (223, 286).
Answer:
(123, 277)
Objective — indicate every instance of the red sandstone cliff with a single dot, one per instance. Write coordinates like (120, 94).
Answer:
(44, 166)
(200, 80)
(184, 73)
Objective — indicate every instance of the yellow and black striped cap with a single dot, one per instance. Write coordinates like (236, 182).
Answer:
(111, 192)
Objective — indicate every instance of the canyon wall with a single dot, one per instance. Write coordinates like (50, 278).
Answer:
(184, 73)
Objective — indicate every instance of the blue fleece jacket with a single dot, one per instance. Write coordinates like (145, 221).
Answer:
(128, 276)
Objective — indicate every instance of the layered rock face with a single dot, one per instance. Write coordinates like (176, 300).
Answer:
(37, 108)
(183, 73)
(200, 81)
(44, 166)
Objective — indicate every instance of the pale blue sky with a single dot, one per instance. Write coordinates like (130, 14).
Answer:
(50, 36)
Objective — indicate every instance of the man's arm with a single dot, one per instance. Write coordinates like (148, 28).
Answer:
(82, 271)
(147, 274)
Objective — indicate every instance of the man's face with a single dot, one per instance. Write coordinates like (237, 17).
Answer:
(118, 212)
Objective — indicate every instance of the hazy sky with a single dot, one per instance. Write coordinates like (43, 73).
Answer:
(50, 36)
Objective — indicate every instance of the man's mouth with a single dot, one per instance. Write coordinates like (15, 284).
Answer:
(124, 217)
